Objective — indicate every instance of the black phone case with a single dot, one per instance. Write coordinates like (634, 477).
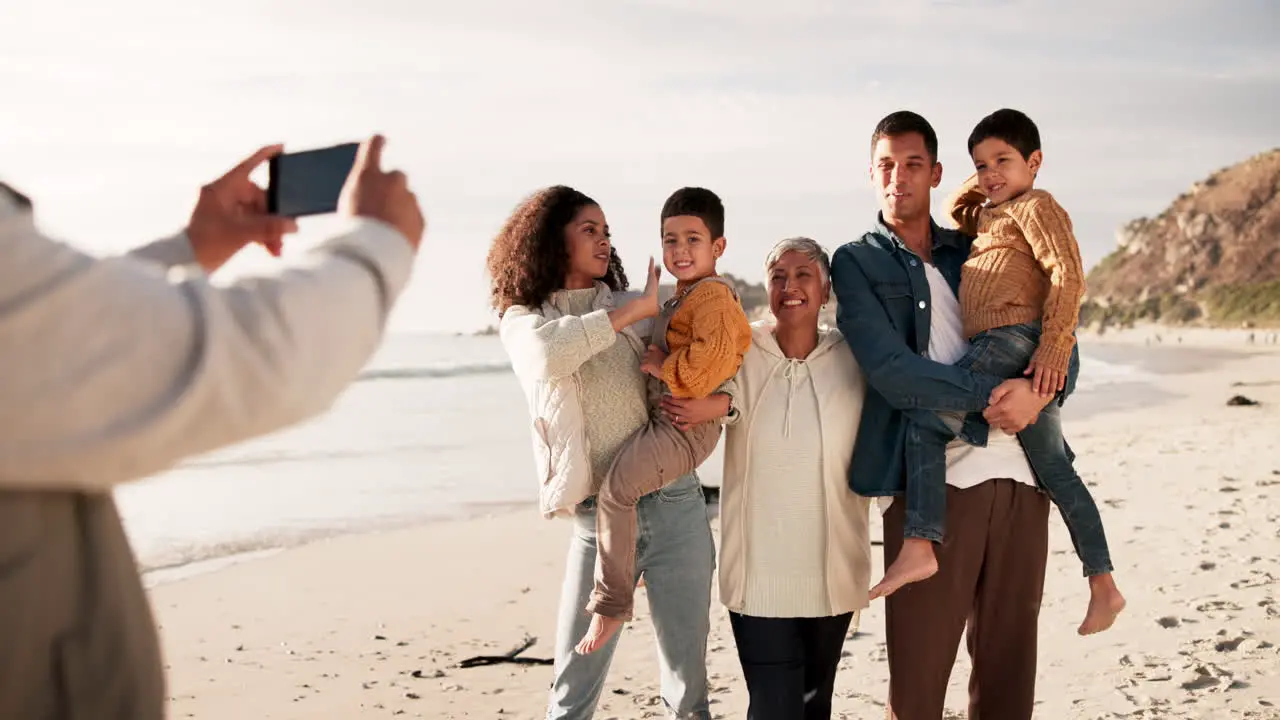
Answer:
(322, 166)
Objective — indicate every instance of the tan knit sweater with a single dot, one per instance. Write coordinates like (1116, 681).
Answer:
(706, 339)
(1024, 266)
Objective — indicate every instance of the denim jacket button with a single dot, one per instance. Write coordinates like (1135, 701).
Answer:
(922, 305)
(914, 262)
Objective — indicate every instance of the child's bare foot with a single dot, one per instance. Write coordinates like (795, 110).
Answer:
(915, 562)
(1105, 603)
(602, 628)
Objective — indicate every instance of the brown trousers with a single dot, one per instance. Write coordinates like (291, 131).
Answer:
(990, 577)
(77, 639)
(657, 455)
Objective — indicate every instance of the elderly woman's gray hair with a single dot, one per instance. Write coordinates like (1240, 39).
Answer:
(806, 247)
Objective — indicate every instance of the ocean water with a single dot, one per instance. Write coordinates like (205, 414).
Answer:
(435, 428)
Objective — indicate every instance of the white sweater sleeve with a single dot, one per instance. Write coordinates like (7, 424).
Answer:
(116, 368)
(174, 251)
(545, 349)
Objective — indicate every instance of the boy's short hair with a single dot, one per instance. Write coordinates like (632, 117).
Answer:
(700, 203)
(1011, 126)
(905, 122)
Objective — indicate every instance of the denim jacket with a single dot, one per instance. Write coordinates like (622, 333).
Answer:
(883, 311)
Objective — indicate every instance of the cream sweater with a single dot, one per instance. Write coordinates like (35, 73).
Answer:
(794, 538)
(614, 399)
(548, 347)
(117, 368)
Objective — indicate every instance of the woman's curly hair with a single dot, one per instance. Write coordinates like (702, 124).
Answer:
(528, 259)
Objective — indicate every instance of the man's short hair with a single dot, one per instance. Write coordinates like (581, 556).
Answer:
(905, 122)
(1011, 126)
(700, 203)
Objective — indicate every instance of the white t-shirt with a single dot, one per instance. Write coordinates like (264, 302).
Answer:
(967, 465)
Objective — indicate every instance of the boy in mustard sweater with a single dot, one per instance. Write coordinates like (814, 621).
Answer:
(1020, 293)
(699, 338)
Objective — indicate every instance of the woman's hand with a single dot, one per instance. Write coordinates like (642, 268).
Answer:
(643, 307)
(650, 296)
(684, 413)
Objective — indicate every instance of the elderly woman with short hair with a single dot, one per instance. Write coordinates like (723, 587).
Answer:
(795, 557)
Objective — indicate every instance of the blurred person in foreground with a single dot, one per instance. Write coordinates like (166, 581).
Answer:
(118, 368)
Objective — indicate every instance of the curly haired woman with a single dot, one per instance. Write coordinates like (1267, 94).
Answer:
(576, 339)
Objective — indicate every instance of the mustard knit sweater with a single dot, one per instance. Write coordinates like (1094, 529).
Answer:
(708, 335)
(1024, 266)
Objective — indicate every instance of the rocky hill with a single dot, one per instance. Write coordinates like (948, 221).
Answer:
(1212, 257)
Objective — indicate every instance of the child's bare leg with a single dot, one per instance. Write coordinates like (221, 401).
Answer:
(1105, 604)
(926, 506)
(602, 628)
(915, 562)
(654, 457)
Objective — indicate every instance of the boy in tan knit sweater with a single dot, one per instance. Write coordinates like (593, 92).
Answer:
(1020, 294)
(699, 339)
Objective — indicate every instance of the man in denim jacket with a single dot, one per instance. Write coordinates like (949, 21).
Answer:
(896, 289)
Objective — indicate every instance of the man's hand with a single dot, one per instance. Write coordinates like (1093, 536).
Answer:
(1045, 380)
(374, 193)
(684, 413)
(1014, 405)
(652, 362)
(232, 212)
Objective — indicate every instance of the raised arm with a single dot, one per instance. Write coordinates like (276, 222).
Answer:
(546, 349)
(906, 379)
(1047, 228)
(115, 369)
(118, 368)
(965, 205)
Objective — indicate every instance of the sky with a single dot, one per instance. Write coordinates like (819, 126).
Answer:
(115, 113)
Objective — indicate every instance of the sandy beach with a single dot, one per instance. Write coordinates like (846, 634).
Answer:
(374, 625)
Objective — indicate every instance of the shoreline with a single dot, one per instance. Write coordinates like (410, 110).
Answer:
(1219, 346)
(466, 512)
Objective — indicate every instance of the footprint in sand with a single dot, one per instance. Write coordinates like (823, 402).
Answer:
(1202, 677)
(1257, 578)
(1218, 606)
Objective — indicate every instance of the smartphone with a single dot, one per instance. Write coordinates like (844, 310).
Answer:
(308, 182)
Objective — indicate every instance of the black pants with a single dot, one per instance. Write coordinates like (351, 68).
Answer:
(789, 664)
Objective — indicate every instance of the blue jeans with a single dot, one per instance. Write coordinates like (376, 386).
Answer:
(1005, 352)
(676, 555)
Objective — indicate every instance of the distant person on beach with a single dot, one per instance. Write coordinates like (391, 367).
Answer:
(1020, 293)
(795, 552)
(896, 289)
(696, 345)
(576, 340)
(118, 368)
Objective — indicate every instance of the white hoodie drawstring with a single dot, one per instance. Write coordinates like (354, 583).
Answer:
(790, 374)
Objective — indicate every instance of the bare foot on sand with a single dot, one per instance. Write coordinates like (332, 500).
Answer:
(1105, 603)
(602, 628)
(915, 562)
